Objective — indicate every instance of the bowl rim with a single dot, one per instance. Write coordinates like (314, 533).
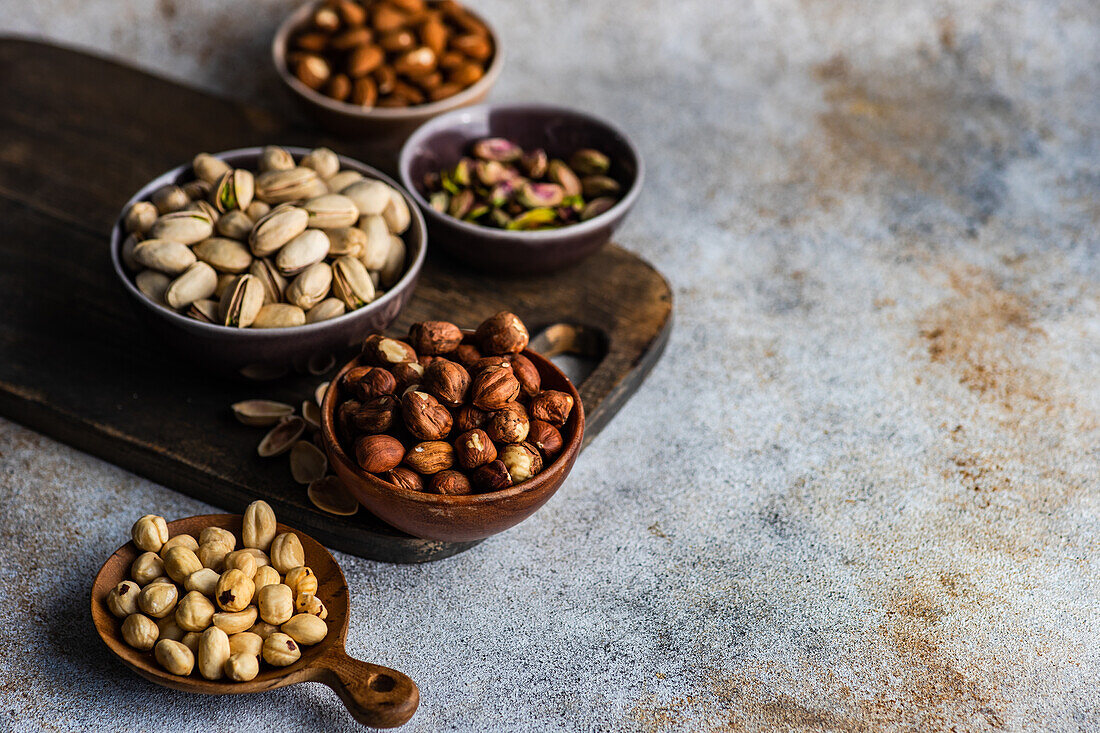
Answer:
(568, 452)
(119, 235)
(446, 121)
(298, 17)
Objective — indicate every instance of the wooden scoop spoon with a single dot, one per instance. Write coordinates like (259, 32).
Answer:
(376, 696)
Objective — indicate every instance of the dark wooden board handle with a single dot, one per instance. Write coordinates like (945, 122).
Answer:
(376, 696)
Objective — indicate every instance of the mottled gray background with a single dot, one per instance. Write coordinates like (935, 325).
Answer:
(861, 489)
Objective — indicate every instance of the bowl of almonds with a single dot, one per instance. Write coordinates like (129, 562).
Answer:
(383, 67)
(452, 435)
(264, 260)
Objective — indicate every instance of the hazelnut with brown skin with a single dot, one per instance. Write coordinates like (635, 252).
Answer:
(474, 448)
(432, 338)
(425, 418)
(451, 483)
(407, 374)
(404, 478)
(375, 415)
(492, 477)
(488, 361)
(378, 453)
(546, 438)
(448, 381)
(530, 381)
(552, 406)
(431, 456)
(467, 355)
(469, 417)
(494, 387)
(509, 424)
(503, 333)
(352, 376)
(372, 383)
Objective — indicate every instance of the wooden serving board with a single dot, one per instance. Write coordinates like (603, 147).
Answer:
(78, 135)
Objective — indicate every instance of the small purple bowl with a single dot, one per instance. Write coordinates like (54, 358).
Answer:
(441, 142)
(257, 353)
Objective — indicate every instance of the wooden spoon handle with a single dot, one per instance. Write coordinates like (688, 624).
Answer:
(376, 696)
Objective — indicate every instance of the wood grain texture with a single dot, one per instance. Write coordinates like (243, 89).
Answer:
(375, 695)
(77, 136)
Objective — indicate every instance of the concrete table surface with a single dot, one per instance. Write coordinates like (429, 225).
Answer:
(860, 492)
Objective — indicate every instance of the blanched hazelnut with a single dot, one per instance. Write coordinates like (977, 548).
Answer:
(276, 603)
(246, 642)
(140, 632)
(213, 651)
(175, 657)
(305, 629)
(301, 580)
(217, 534)
(150, 533)
(234, 590)
(236, 621)
(147, 566)
(258, 528)
(280, 650)
(158, 599)
(266, 575)
(311, 604)
(243, 561)
(287, 552)
(242, 667)
(195, 612)
(123, 599)
(180, 562)
(180, 540)
(204, 581)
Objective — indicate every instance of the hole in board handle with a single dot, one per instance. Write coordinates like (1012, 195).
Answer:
(575, 349)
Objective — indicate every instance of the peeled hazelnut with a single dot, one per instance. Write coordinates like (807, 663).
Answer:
(280, 650)
(407, 374)
(447, 381)
(301, 580)
(503, 333)
(382, 351)
(522, 461)
(552, 406)
(425, 418)
(430, 457)
(180, 540)
(469, 417)
(467, 355)
(451, 483)
(123, 599)
(217, 534)
(509, 424)
(378, 453)
(234, 591)
(546, 438)
(494, 387)
(140, 632)
(434, 337)
(528, 375)
(374, 416)
(492, 477)
(150, 533)
(287, 552)
(474, 448)
(404, 478)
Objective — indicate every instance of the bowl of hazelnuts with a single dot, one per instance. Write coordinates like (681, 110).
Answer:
(449, 434)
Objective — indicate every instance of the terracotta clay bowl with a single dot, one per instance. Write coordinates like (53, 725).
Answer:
(264, 353)
(442, 142)
(457, 518)
(375, 695)
(387, 127)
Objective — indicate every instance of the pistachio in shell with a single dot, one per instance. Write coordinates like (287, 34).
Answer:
(369, 196)
(204, 207)
(307, 462)
(197, 190)
(235, 225)
(331, 210)
(597, 206)
(196, 283)
(279, 315)
(226, 280)
(596, 186)
(351, 282)
(282, 186)
(275, 158)
(169, 198)
(322, 160)
(164, 255)
(241, 302)
(343, 179)
(152, 284)
(330, 495)
(326, 309)
(205, 310)
(139, 217)
(208, 168)
(558, 172)
(279, 226)
(234, 190)
(127, 252)
(589, 162)
(257, 210)
(394, 266)
(311, 413)
(261, 413)
(397, 214)
(281, 437)
(308, 248)
(224, 255)
(347, 240)
(377, 244)
(274, 284)
(311, 286)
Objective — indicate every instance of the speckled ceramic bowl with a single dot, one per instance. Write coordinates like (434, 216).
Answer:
(269, 353)
(440, 143)
(384, 125)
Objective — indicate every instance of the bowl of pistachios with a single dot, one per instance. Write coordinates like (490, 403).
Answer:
(263, 261)
(521, 188)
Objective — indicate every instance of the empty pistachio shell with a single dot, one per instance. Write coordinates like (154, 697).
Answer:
(377, 244)
(497, 148)
(197, 282)
(241, 302)
(278, 227)
(281, 437)
(346, 241)
(279, 315)
(306, 249)
(311, 286)
(326, 309)
(594, 186)
(235, 225)
(152, 284)
(322, 160)
(558, 172)
(205, 310)
(351, 282)
(534, 195)
(597, 206)
(274, 158)
(588, 162)
(397, 213)
(395, 262)
(208, 168)
(329, 495)
(164, 255)
(307, 462)
(224, 255)
(274, 284)
(343, 179)
(140, 217)
(280, 186)
(234, 190)
(331, 210)
(261, 413)
(169, 198)
(311, 413)
(369, 196)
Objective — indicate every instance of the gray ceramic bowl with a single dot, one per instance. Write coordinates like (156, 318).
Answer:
(270, 353)
(441, 142)
(383, 125)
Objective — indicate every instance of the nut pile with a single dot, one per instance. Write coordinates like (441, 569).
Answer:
(448, 415)
(308, 462)
(390, 53)
(506, 187)
(201, 603)
(296, 242)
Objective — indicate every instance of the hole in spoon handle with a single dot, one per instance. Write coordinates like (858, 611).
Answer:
(376, 696)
